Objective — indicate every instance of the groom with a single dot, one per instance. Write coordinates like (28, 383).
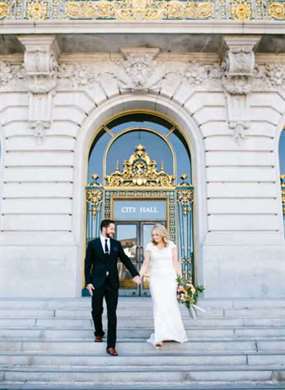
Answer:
(102, 280)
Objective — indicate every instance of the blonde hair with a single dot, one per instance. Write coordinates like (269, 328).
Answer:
(163, 232)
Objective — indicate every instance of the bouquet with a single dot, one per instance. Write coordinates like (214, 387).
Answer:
(188, 294)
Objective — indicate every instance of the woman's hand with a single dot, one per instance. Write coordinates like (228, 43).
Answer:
(90, 288)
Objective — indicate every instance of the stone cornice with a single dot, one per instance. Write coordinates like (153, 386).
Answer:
(173, 27)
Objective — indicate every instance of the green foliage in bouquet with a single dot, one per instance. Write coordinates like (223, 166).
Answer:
(187, 293)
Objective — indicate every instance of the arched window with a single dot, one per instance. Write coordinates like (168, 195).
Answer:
(282, 169)
(117, 140)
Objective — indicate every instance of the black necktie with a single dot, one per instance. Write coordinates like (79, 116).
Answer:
(106, 246)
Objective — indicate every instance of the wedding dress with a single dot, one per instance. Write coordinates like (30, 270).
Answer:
(168, 323)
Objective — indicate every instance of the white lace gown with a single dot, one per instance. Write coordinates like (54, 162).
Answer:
(168, 323)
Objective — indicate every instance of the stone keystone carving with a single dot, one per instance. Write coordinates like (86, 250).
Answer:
(140, 69)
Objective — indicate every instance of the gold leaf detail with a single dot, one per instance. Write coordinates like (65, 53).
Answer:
(277, 10)
(140, 171)
(241, 11)
(37, 10)
(4, 9)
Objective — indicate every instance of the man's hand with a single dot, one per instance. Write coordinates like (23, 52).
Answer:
(90, 288)
(137, 279)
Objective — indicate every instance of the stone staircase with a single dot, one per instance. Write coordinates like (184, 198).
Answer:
(49, 344)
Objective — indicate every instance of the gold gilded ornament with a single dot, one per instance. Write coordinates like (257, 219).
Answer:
(241, 10)
(79, 9)
(138, 9)
(4, 9)
(277, 10)
(37, 10)
(175, 9)
(199, 10)
(105, 9)
(140, 171)
(94, 194)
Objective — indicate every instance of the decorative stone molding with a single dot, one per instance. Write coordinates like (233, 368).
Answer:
(41, 67)
(138, 70)
(239, 69)
(269, 76)
(10, 73)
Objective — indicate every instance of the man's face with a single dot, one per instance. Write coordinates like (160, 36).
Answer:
(110, 230)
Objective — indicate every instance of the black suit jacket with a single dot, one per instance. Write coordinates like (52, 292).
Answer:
(97, 263)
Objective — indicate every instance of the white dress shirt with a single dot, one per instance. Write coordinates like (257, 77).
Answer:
(103, 238)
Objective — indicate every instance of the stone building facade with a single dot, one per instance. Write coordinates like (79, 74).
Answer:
(67, 69)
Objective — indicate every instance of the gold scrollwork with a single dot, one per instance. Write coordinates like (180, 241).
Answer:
(140, 171)
(37, 10)
(241, 10)
(94, 194)
(95, 198)
(185, 194)
(185, 197)
(202, 10)
(4, 9)
(139, 9)
(277, 10)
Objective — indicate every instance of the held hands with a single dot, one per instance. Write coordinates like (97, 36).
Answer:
(137, 279)
(180, 288)
(90, 288)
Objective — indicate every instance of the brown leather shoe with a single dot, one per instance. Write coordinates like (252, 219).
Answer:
(111, 351)
(98, 339)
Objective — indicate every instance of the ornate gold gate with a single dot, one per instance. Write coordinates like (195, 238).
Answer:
(141, 193)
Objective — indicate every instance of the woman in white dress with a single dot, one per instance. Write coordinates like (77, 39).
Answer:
(162, 265)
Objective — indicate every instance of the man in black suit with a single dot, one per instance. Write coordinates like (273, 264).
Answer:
(102, 280)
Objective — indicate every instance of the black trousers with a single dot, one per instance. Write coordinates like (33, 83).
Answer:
(111, 297)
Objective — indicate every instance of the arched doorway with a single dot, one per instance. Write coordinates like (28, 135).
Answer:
(139, 173)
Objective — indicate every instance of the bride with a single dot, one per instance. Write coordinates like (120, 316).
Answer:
(162, 264)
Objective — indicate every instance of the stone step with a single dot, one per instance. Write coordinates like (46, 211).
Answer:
(140, 333)
(141, 314)
(49, 344)
(140, 322)
(133, 374)
(139, 347)
(90, 360)
(156, 358)
(86, 313)
(77, 303)
(142, 386)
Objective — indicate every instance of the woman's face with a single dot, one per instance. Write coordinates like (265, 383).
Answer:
(156, 237)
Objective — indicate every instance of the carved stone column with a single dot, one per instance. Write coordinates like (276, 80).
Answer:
(238, 70)
(41, 66)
